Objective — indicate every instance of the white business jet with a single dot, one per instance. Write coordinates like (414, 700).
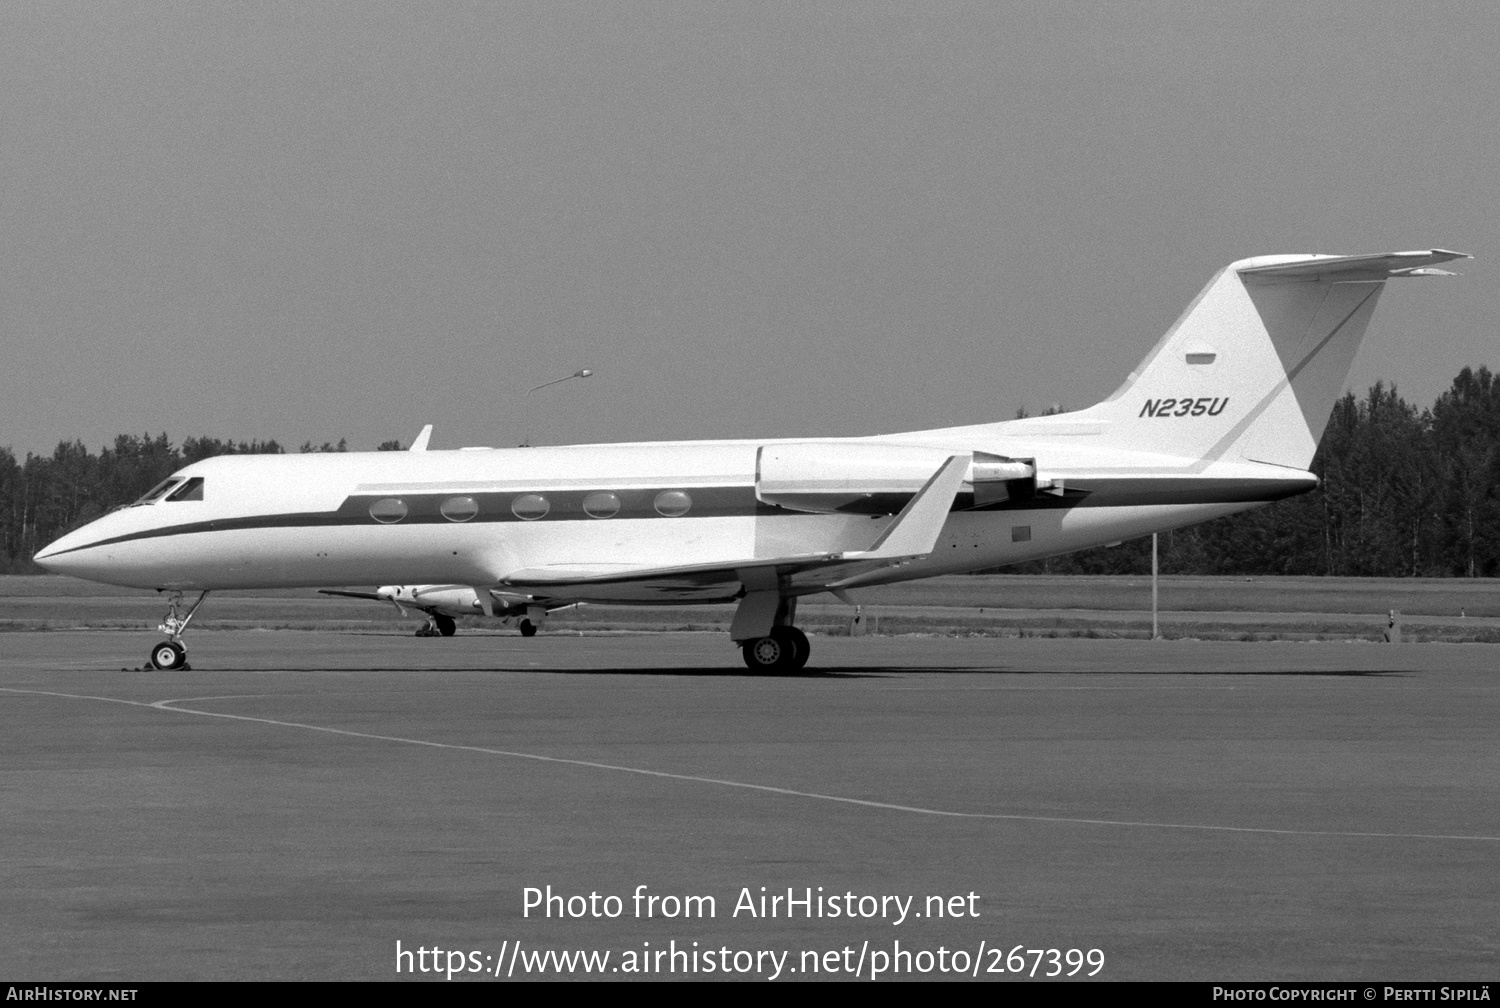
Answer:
(1223, 414)
(442, 604)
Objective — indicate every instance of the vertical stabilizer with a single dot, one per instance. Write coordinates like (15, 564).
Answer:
(1252, 369)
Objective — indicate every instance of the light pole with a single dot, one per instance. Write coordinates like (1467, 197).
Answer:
(1155, 567)
(580, 373)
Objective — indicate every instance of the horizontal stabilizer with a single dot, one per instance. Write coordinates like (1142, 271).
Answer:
(1357, 267)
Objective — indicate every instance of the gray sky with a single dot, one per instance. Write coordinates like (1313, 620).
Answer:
(316, 220)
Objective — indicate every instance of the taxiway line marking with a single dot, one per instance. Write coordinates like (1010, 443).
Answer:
(162, 704)
(767, 788)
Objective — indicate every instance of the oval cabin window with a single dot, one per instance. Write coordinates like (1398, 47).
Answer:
(530, 507)
(388, 510)
(602, 504)
(459, 509)
(673, 503)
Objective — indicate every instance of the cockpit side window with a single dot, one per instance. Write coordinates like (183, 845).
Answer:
(192, 490)
(156, 492)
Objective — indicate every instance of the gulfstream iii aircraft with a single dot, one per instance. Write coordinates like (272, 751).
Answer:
(1223, 414)
(442, 603)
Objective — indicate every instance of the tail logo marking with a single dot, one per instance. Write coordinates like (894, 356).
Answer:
(1183, 407)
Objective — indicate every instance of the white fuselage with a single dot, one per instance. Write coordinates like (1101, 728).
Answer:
(458, 517)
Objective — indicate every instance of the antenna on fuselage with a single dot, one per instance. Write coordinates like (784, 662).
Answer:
(420, 444)
(580, 373)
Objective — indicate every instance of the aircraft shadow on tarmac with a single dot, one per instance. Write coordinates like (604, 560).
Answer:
(725, 672)
(1190, 673)
(853, 672)
(888, 672)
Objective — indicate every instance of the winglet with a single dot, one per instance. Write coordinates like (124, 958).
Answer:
(420, 444)
(916, 529)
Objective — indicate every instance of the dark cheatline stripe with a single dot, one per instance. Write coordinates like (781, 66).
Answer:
(729, 502)
(311, 519)
(564, 505)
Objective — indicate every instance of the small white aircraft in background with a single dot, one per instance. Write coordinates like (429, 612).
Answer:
(442, 604)
(1223, 414)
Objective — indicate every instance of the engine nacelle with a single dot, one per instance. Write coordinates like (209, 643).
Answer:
(823, 478)
(452, 600)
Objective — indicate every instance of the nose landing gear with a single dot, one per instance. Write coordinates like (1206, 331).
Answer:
(170, 654)
(536, 617)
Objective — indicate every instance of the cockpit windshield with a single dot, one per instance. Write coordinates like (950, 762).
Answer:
(189, 491)
(155, 493)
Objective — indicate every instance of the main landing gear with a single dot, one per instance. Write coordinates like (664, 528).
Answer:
(785, 650)
(763, 629)
(437, 625)
(534, 620)
(170, 655)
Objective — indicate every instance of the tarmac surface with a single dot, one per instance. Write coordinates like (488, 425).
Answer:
(302, 801)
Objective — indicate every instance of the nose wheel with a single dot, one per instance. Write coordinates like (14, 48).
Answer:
(785, 650)
(170, 655)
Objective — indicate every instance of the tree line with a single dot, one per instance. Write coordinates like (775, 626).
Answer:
(45, 496)
(1405, 492)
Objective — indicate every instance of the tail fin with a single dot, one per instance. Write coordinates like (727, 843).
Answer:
(1252, 368)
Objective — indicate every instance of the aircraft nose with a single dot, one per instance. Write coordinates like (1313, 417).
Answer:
(62, 556)
(79, 552)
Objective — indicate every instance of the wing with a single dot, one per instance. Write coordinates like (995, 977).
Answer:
(913, 533)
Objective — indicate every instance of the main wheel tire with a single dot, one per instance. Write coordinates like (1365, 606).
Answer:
(802, 647)
(445, 625)
(168, 655)
(528, 628)
(765, 654)
(425, 631)
(785, 650)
